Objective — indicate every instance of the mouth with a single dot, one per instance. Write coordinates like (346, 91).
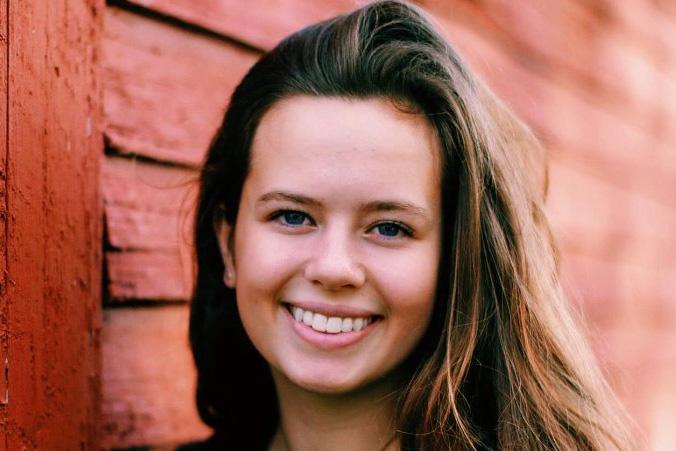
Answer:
(330, 324)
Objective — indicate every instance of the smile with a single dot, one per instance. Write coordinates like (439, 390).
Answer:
(330, 328)
(329, 325)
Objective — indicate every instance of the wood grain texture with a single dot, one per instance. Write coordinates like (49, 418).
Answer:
(258, 23)
(53, 225)
(147, 206)
(148, 378)
(575, 38)
(148, 229)
(148, 276)
(165, 89)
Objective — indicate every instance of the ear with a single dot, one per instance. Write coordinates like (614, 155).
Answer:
(223, 232)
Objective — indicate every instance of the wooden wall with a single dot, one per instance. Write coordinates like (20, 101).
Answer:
(596, 80)
(50, 224)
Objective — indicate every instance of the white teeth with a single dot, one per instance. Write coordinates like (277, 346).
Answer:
(307, 318)
(332, 325)
(347, 325)
(319, 322)
(297, 313)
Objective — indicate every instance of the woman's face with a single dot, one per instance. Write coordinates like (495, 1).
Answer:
(337, 240)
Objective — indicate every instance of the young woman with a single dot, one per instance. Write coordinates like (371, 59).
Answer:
(374, 267)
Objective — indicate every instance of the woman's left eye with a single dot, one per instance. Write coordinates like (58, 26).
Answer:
(392, 230)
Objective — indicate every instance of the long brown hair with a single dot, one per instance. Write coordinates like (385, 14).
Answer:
(502, 365)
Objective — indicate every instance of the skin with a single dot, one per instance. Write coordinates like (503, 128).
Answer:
(341, 207)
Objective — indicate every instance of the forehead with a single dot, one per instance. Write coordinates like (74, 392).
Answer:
(362, 143)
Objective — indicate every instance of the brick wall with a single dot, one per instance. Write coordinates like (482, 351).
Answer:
(596, 80)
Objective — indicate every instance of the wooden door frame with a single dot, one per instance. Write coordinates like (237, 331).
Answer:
(50, 223)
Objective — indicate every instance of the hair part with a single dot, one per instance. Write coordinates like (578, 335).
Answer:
(502, 364)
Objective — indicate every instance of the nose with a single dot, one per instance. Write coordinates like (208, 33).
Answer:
(334, 264)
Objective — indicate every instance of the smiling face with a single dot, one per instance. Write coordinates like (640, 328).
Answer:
(337, 240)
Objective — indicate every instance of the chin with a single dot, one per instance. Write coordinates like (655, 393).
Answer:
(325, 385)
(329, 388)
(329, 381)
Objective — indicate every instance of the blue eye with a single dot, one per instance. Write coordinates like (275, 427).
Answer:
(294, 218)
(291, 218)
(392, 229)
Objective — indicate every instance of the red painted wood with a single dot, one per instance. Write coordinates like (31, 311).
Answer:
(165, 88)
(605, 46)
(575, 42)
(148, 214)
(148, 378)
(550, 34)
(591, 136)
(147, 206)
(149, 276)
(51, 289)
(4, 330)
(259, 23)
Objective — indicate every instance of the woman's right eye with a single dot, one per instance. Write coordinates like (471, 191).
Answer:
(291, 218)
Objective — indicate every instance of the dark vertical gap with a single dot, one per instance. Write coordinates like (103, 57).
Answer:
(4, 391)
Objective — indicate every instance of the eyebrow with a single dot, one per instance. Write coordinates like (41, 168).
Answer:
(378, 205)
(291, 197)
(393, 205)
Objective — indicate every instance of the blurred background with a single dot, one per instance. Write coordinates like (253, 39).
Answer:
(595, 79)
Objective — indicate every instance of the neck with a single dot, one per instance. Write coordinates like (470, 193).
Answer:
(361, 420)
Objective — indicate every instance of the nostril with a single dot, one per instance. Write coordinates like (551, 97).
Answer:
(334, 275)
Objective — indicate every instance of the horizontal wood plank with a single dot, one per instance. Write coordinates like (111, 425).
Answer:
(148, 379)
(600, 47)
(148, 276)
(602, 57)
(578, 199)
(620, 293)
(579, 130)
(165, 89)
(148, 217)
(258, 23)
(147, 206)
(618, 248)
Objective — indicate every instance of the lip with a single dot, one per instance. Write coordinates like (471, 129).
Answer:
(333, 310)
(327, 341)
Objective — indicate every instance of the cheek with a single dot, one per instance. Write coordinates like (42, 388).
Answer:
(408, 284)
(263, 262)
